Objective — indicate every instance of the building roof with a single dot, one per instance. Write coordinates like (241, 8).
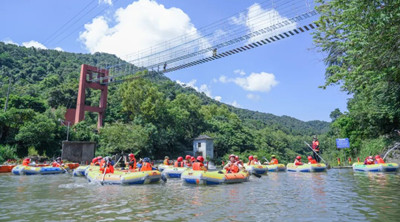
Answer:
(203, 137)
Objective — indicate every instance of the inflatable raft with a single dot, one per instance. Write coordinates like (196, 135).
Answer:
(383, 167)
(80, 171)
(276, 167)
(213, 178)
(258, 169)
(32, 170)
(162, 167)
(174, 172)
(319, 167)
(124, 177)
(6, 168)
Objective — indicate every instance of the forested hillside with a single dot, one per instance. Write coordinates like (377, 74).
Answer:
(150, 115)
(362, 44)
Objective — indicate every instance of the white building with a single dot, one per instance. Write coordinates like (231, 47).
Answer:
(203, 146)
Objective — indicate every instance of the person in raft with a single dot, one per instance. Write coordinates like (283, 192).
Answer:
(132, 162)
(233, 166)
(179, 162)
(96, 161)
(251, 158)
(379, 160)
(311, 160)
(369, 160)
(239, 161)
(198, 165)
(256, 161)
(187, 161)
(166, 161)
(297, 161)
(106, 165)
(146, 165)
(274, 161)
(315, 147)
(26, 162)
(57, 162)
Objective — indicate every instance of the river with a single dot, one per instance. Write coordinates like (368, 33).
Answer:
(337, 195)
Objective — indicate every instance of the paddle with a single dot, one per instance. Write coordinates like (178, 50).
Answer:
(266, 159)
(316, 153)
(163, 178)
(117, 162)
(105, 170)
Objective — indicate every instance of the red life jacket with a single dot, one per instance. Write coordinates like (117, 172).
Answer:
(26, 162)
(146, 167)
(134, 164)
(297, 162)
(380, 160)
(315, 145)
(198, 166)
(55, 164)
(178, 164)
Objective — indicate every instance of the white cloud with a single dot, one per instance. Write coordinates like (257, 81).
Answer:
(59, 49)
(9, 41)
(223, 79)
(35, 44)
(253, 96)
(203, 88)
(240, 72)
(218, 98)
(260, 82)
(258, 18)
(141, 25)
(108, 2)
(256, 82)
(235, 104)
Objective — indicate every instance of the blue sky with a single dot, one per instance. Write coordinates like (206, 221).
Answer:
(280, 78)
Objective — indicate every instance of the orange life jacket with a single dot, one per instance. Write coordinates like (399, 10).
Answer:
(312, 161)
(109, 168)
(178, 164)
(55, 164)
(25, 163)
(234, 168)
(146, 167)
(274, 161)
(166, 162)
(198, 166)
(380, 160)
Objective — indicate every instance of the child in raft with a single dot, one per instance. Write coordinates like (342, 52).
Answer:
(369, 160)
(378, 160)
(198, 165)
(311, 160)
(297, 161)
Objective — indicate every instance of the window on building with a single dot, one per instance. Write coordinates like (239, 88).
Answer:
(198, 144)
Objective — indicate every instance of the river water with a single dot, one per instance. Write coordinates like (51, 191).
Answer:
(336, 195)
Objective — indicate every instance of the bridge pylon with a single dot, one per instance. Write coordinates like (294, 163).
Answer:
(89, 73)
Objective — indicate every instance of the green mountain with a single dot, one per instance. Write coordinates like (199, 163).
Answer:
(45, 82)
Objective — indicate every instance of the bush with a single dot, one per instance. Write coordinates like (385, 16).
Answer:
(7, 152)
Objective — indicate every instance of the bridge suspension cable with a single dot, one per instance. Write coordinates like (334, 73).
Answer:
(256, 26)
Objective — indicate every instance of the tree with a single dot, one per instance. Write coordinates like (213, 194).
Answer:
(335, 114)
(118, 137)
(362, 40)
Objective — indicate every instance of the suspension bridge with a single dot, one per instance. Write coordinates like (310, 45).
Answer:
(258, 25)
